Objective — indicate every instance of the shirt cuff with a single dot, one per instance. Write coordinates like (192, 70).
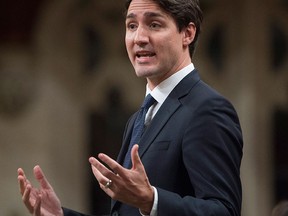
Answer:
(155, 204)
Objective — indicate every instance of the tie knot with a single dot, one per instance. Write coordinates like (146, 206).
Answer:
(148, 101)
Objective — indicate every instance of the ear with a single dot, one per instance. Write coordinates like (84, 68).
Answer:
(189, 34)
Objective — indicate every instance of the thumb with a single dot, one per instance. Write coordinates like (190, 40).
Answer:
(136, 161)
(39, 175)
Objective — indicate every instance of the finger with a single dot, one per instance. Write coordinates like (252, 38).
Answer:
(22, 180)
(39, 175)
(98, 169)
(102, 181)
(22, 184)
(98, 165)
(20, 172)
(37, 206)
(116, 167)
(26, 198)
(98, 175)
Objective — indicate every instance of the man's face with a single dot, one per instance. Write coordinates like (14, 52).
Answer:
(154, 44)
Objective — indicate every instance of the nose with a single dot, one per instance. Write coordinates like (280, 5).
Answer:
(141, 36)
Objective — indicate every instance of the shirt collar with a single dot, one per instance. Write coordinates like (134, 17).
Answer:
(161, 91)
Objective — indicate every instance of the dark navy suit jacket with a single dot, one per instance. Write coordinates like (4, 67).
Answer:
(191, 152)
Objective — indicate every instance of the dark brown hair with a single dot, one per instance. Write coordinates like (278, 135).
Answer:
(183, 12)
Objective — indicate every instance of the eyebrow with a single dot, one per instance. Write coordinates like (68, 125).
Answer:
(146, 14)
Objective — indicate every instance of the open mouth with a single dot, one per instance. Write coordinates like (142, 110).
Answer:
(145, 54)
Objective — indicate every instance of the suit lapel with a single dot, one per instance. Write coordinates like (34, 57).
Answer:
(168, 108)
(170, 105)
(158, 122)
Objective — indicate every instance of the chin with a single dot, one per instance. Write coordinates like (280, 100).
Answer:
(144, 74)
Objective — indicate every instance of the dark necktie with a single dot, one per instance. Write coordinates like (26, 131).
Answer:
(138, 128)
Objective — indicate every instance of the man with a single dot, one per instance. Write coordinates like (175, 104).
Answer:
(187, 161)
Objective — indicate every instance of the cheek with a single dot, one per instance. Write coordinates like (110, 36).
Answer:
(167, 50)
(129, 46)
(127, 43)
(174, 47)
(129, 37)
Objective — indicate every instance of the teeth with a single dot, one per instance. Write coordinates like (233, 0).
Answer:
(145, 55)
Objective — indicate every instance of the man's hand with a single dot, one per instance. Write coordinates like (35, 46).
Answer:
(130, 186)
(42, 201)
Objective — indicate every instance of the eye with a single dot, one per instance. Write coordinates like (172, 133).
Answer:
(155, 25)
(132, 26)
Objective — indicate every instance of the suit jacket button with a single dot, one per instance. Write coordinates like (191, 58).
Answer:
(115, 213)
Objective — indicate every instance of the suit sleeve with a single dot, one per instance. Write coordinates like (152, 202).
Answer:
(211, 152)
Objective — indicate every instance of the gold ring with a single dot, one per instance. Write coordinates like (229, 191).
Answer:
(108, 184)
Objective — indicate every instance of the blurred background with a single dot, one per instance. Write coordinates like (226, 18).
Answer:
(64, 67)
